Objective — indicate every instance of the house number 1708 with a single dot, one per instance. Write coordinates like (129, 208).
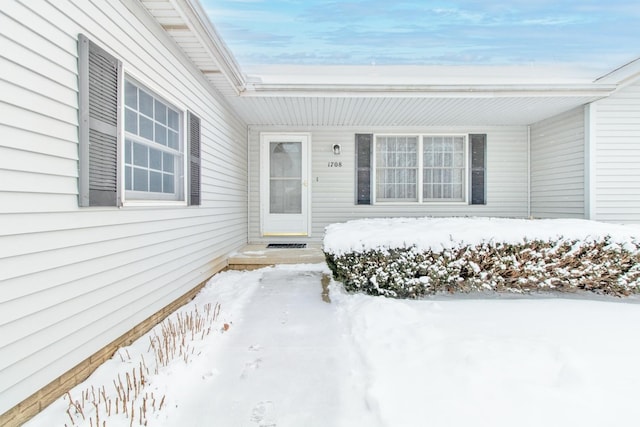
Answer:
(334, 164)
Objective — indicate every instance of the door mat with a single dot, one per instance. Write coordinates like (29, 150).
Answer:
(286, 245)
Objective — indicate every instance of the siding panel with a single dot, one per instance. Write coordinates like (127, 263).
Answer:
(617, 147)
(75, 279)
(557, 166)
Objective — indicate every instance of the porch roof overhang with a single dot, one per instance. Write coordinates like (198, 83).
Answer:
(356, 106)
(308, 96)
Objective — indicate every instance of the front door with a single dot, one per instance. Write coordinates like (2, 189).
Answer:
(284, 184)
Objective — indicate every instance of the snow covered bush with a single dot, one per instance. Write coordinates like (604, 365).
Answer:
(409, 258)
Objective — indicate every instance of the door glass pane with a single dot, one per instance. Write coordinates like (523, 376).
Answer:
(286, 159)
(285, 172)
(286, 196)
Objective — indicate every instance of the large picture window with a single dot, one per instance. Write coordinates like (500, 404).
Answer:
(153, 149)
(416, 168)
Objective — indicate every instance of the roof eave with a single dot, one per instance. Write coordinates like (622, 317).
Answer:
(200, 24)
(434, 91)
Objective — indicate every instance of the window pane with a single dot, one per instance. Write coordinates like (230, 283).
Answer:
(146, 103)
(447, 160)
(457, 191)
(457, 177)
(140, 155)
(155, 182)
(285, 196)
(127, 151)
(459, 144)
(173, 119)
(146, 128)
(161, 134)
(168, 183)
(458, 160)
(140, 180)
(173, 140)
(167, 162)
(155, 159)
(286, 159)
(127, 178)
(130, 95)
(161, 113)
(130, 121)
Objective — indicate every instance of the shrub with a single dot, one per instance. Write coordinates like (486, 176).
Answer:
(601, 266)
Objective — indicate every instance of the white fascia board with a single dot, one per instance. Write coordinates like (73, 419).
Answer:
(199, 23)
(622, 76)
(596, 91)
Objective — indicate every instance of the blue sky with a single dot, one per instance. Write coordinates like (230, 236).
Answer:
(601, 34)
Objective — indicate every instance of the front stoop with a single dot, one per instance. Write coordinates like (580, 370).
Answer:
(258, 256)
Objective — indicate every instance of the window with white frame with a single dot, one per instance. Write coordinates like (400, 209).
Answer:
(153, 148)
(426, 168)
(396, 168)
(443, 168)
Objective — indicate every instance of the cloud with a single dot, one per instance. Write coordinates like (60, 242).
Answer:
(428, 31)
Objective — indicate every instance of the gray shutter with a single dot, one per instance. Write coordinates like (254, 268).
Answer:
(363, 168)
(194, 158)
(99, 79)
(478, 148)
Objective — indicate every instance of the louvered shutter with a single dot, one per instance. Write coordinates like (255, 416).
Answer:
(99, 79)
(194, 158)
(363, 168)
(478, 148)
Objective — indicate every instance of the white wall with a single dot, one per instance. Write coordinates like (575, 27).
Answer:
(558, 166)
(333, 191)
(616, 139)
(71, 279)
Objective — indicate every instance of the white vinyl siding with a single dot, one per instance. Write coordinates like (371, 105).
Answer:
(333, 188)
(74, 279)
(616, 137)
(557, 166)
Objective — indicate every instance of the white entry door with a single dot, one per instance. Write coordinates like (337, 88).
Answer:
(284, 185)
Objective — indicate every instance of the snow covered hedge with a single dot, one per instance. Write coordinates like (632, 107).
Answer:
(411, 257)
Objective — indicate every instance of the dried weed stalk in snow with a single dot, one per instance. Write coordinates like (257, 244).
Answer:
(128, 395)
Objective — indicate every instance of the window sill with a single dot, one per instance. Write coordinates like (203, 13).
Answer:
(428, 203)
(153, 203)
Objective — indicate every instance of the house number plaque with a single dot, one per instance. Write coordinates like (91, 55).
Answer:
(334, 164)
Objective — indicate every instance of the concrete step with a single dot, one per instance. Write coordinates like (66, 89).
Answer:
(258, 256)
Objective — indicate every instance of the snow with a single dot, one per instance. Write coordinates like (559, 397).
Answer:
(437, 234)
(278, 355)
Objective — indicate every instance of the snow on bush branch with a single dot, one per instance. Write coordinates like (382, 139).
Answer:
(600, 264)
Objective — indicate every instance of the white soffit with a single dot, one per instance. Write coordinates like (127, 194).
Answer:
(186, 23)
(311, 111)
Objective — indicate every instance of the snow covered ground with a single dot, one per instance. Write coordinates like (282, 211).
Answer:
(279, 355)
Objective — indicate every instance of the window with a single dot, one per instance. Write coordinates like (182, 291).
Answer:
(153, 150)
(443, 168)
(155, 147)
(396, 168)
(420, 168)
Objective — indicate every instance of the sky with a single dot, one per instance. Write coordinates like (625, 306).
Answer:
(594, 33)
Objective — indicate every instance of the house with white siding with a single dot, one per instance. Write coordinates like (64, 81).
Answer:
(135, 157)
